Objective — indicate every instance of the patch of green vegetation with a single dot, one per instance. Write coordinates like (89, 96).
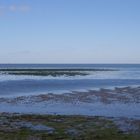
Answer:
(66, 128)
(46, 73)
(51, 72)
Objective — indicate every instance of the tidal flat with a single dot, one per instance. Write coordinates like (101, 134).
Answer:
(105, 114)
(63, 127)
(103, 106)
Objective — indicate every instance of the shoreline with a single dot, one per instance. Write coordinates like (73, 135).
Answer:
(117, 102)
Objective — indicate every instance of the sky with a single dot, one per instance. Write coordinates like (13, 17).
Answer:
(69, 31)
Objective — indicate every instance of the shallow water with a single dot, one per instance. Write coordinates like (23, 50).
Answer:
(17, 85)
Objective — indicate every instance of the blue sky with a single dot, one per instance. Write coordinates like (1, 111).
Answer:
(69, 31)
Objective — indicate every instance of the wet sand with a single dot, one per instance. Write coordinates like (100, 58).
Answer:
(117, 102)
(96, 114)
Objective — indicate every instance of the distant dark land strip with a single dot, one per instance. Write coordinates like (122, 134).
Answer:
(52, 72)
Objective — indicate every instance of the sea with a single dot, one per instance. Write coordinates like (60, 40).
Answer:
(24, 85)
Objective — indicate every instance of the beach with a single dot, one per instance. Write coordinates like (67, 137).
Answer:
(34, 102)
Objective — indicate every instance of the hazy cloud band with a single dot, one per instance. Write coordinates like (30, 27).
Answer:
(14, 8)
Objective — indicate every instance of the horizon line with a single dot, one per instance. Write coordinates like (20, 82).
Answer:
(69, 63)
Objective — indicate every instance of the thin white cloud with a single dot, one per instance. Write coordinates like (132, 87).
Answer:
(22, 52)
(14, 8)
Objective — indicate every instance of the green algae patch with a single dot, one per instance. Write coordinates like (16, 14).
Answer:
(15, 127)
(51, 72)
